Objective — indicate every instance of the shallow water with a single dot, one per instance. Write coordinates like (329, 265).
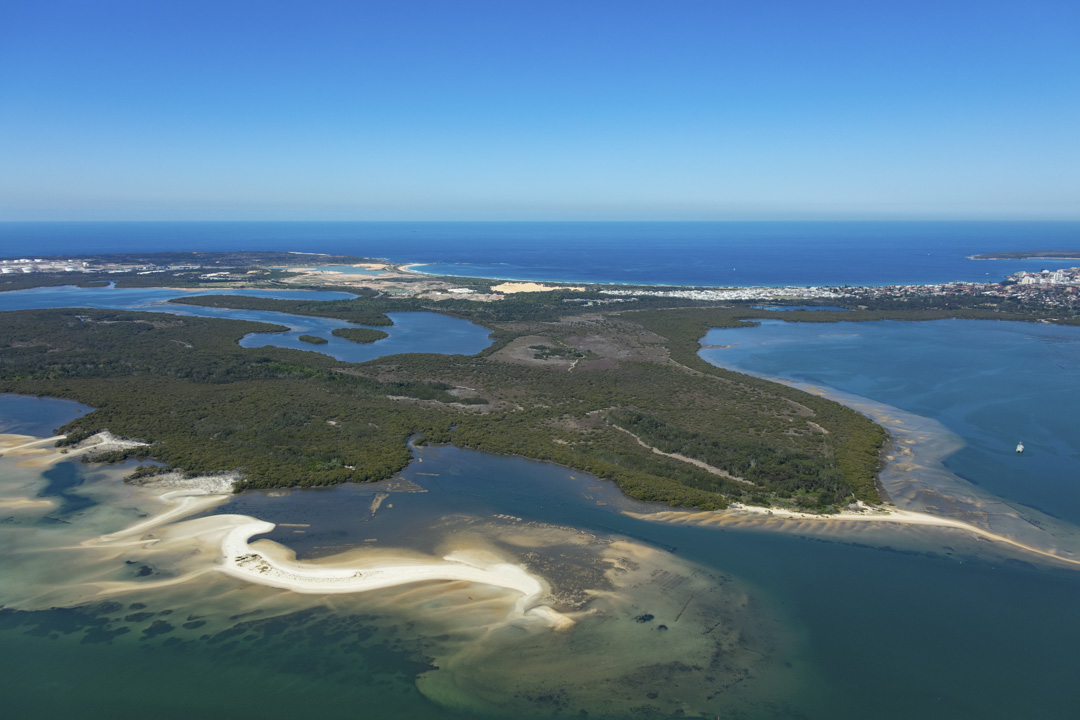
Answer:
(909, 622)
(991, 383)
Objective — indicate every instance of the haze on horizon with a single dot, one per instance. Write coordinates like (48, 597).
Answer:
(472, 110)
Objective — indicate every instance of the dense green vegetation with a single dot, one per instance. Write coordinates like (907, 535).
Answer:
(369, 307)
(288, 417)
(855, 442)
(313, 339)
(573, 377)
(359, 310)
(359, 335)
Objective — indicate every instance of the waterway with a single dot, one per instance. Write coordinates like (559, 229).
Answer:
(895, 623)
(992, 384)
(784, 621)
(411, 332)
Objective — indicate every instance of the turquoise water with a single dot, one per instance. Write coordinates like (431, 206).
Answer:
(420, 332)
(926, 628)
(856, 623)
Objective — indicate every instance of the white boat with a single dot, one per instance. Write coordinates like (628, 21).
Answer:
(1019, 448)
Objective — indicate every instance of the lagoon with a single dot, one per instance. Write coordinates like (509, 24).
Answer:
(419, 332)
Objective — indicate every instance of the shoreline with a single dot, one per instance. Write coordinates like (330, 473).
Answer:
(228, 539)
(36, 454)
(874, 514)
(916, 482)
(272, 565)
(410, 268)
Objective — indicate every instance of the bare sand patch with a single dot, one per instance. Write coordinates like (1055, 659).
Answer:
(509, 288)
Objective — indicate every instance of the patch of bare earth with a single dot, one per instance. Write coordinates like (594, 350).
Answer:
(535, 350)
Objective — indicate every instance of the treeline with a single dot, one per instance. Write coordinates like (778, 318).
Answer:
(784, 472)
(853, 444)
(359, 311)
(369, 307)
(363, 336)
(286, 417)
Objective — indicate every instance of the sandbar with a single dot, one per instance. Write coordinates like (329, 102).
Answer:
(869, 514)
(268, 563)
(25, 503)
(274, 568)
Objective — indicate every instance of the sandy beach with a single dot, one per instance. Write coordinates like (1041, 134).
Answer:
(763, 516)
(270, 564)
(226, 538)
(40, 452)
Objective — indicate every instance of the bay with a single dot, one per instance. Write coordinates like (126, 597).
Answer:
(992, 383)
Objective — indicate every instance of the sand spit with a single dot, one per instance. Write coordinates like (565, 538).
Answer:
(763, 517)
(13, 444)
(924, 492)
(185, 503)
(270, 564)
(25, 503)
(40, 452)
(226, 540)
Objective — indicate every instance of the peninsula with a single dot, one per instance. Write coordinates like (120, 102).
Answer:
(600, 380)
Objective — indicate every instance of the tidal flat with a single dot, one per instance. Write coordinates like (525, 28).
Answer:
(761, 617)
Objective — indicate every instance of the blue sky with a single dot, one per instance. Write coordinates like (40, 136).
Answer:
(756, 109)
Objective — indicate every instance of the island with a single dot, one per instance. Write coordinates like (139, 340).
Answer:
(360, 335)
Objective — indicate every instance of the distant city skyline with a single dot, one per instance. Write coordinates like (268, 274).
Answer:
(594, 110)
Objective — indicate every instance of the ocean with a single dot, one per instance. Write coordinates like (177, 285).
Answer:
(752, 620)
(646, 253)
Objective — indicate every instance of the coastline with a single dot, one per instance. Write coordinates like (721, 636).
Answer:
(267, 563)
(922, 490)
(762, 517)
(38, 454)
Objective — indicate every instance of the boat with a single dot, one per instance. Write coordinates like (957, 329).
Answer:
(1020, 448)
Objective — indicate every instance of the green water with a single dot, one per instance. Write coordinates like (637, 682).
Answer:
(865, 623)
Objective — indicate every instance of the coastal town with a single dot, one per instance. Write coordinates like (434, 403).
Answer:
(1059, 288)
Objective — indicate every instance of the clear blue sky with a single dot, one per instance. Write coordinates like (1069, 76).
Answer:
(520, 109)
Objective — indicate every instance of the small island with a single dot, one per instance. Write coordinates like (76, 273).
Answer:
(313, 339)
(360, 335)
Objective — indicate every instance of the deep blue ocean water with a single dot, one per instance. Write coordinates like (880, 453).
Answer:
(647, 253)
